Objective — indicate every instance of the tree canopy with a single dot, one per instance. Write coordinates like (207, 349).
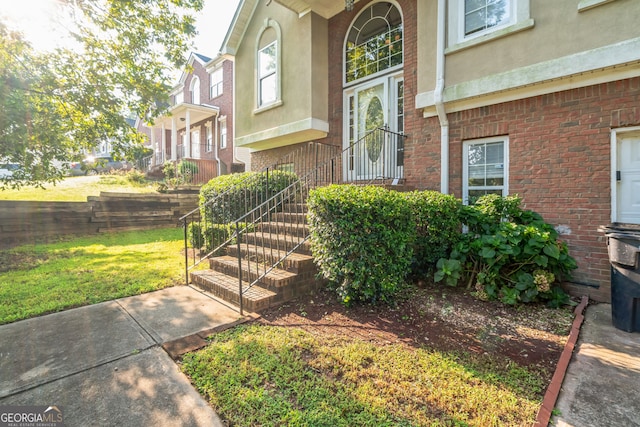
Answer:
(55, 105)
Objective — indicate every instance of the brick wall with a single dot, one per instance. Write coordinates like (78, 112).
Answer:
(559, 161)
(559, 148)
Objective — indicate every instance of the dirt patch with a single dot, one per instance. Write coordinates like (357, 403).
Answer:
(447, 319)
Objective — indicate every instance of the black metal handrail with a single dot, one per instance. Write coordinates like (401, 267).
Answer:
(209, 222)
(268, 234)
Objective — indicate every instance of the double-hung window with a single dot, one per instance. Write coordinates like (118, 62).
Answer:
(216, 83)
(209, 141)
(485, 168)
(195, 90)
(480, 15)
(478, 21)
(267, 74)
(223, 134)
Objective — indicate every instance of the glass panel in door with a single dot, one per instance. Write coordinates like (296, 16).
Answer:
(371, 115)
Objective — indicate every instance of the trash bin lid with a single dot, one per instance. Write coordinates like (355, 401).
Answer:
(624, 249)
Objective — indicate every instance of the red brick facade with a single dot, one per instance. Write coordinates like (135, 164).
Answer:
(223, 101)
(559, 148)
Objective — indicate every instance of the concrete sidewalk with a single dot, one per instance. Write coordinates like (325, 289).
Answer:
(109, 364)
(602, 384)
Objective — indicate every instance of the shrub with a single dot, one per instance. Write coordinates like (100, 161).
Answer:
(134, 176)
(210, 236)
(438, 227)
(228, 197)
(195, 236)
(362, 240)
(169, 170)
(187, 170)
(508, 254)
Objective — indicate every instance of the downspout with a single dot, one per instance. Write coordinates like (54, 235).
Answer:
(439, 99)
(217, 143)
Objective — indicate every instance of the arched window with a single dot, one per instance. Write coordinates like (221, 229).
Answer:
(374, 42)
(268, 65)
(195, 90)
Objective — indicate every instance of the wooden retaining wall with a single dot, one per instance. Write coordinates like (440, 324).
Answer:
(27, 222)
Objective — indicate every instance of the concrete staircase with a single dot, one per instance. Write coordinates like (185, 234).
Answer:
(268, 243)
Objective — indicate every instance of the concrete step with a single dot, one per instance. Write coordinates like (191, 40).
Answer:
(294, 262)
(227, 288)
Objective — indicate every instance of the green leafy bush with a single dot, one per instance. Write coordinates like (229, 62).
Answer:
(134, 176)
(362, 240)
(195, 236)
(228, 197)
(438, 227)
(209, 236)
(187, 170)
(169, 170)
(509, 254)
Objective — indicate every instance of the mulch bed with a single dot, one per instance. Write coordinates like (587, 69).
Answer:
(440, 318)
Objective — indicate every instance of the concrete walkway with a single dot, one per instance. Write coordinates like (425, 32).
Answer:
(602, 384)
(110, 364)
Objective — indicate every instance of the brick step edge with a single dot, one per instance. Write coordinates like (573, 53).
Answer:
(551, 395)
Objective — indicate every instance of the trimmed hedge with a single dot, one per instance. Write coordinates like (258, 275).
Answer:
(242, 192)
(438, 229)
(362, 240)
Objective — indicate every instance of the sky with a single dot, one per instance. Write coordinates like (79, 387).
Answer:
(34, 18)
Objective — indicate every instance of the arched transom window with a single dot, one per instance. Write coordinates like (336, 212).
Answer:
(374, 42)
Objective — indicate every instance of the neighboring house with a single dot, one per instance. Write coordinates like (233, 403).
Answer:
(198, 126)
(539, 99)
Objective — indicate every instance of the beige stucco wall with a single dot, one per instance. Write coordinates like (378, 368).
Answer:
(559, 30)
(304, 80)
(559, 41)
(427, 31)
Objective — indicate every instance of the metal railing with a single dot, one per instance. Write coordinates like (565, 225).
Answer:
(268, 234)
(207, 227)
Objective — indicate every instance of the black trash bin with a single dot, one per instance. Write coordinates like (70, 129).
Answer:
(624, 256)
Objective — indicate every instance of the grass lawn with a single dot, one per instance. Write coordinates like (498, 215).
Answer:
(271, 375)
(437, 357)
(78, 188)
(44, 278)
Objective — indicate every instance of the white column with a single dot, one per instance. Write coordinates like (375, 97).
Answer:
(163, 139)
(174, 140)
(153, 145)
(187, 136)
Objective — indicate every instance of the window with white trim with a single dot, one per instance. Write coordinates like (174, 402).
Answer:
(216, 83)
(267, 74)
(179, 98)
(477, 21)
(195, 90)
(485, 168)
(223, 134)
(480, 15)
(209, 138)
(374, 42)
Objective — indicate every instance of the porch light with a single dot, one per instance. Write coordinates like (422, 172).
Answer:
(348, 5)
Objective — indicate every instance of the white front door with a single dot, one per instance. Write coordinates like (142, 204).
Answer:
(368, 107)
(195, 144)
(628, 179)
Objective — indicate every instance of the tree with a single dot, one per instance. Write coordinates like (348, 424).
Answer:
(54, 106)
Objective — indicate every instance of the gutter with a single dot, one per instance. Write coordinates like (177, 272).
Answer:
(439, 99)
